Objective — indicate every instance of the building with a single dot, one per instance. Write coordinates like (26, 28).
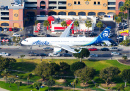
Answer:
(13, 12)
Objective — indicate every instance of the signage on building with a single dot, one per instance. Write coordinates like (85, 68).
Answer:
(16, 15)
(125, 33)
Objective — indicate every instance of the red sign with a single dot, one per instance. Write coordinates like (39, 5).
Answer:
(125, 34)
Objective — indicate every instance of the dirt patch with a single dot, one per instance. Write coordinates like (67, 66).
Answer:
(126, 62)
(61, 80)
(110, 85)
(84, 84)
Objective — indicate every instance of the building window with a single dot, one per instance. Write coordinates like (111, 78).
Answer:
(120, 4)
(94, 3)
(98, 3)
(111, 3)
(74, 2)
(111, 8)
(78, 2)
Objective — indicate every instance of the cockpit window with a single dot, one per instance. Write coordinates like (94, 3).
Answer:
(26, 40)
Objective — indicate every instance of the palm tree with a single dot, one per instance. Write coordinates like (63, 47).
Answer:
(63, 24)
(46, 24)
(127, 6)
(99, 25)
(118, 20)
(122, 9)
(88, 24)
(76, 23)
(36, 22)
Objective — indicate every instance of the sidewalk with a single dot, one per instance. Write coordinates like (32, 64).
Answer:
(1, 89)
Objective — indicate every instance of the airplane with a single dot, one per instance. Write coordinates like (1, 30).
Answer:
(65, 41)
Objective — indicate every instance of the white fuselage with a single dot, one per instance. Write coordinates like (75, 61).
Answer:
(70, 41)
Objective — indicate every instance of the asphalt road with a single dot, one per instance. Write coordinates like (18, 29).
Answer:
(24, 51)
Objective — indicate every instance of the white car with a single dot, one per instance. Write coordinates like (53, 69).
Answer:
(93, 55)
(115, 53)
(54, 55)
(114, 48)
(16, 35)
(4, 54)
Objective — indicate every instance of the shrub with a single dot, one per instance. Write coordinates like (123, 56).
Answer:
(77, 65)
(18, 83)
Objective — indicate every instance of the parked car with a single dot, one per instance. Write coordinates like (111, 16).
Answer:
(119, 37)
(93, 55)
(104, 49)
(114, 48)
(54, 55)
(93, 35)
(47, 49)
(15, 29)
(5, 29)
(33, 54)
(1, 29)
(16, 35)
(66, 55)
(4, 54)
(115, 53)
(92, 49)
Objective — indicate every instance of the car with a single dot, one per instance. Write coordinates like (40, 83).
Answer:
(33, 54)
(43, 54)
(54, 55)
(4, 54)
(93, 55)
(48, 49)
(5, 29)
(93, 35)
(92, 49)
(114, 48)
(120, 37)
(15, 29)
(66, 55)
(16, 35)
(104, 49)
(1, 29)
(115, 53)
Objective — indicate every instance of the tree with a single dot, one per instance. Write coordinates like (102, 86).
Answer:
(6, 62)
(5, 73)
(36, 22)
(122, 9)
(29, 76)
(76, 24)
(22, 56)
(109, 73)
(127, 6)
(124, 57)
(54, 68)
(120, 88)
(118, 20)
(99, 25)
(63, 24)
(77, 65)
(10, 80)
(37, 85)
(46, 24)
(50, 82)
(125, 75)
(64, 66)
(43, 70)
(88, 24)
(85, 74)
(84, 53)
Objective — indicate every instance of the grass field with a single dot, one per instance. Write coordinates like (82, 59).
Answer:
(29, 64)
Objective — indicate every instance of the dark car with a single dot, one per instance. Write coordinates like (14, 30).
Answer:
(43, 54)
(104, 49)
(93, 35)
(1, 29)
(33, 54)
(66, 55)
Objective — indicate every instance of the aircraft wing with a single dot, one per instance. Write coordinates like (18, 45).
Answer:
(66, 47)
(66, 31)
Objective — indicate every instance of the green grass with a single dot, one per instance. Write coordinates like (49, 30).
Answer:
(29, 64)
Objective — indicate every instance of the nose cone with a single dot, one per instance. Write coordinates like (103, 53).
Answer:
(23, 43)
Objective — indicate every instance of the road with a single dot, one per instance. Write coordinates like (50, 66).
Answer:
(25, 50)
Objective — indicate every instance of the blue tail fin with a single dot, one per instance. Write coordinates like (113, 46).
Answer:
(104, 35)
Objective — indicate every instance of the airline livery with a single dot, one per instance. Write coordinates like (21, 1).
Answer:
(65, 42)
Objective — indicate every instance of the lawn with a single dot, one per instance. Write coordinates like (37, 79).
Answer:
(30, 64)
(14, 87)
